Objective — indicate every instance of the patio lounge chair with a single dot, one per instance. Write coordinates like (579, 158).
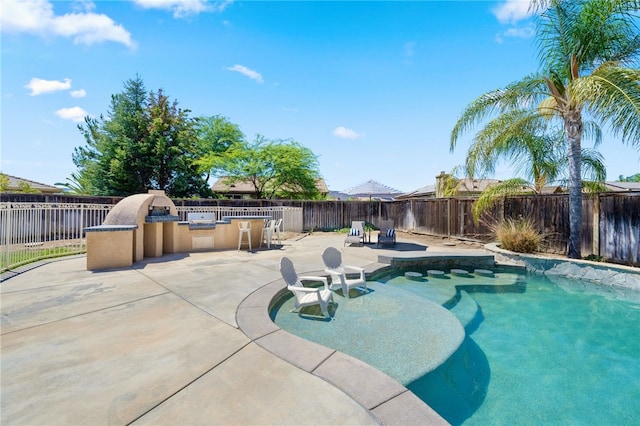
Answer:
(387, 233)
(333, 263)
(356, 233)
(306, 296)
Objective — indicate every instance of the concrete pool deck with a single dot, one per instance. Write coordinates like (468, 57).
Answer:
(186, 339)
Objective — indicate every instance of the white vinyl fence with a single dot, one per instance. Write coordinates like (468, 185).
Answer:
(291, 216)
(34, 231)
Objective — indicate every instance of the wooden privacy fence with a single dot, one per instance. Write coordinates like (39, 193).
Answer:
(610, 222)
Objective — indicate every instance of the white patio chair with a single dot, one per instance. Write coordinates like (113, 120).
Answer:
(306, 296)
(332, 259)
(356, 233)
(267, 232)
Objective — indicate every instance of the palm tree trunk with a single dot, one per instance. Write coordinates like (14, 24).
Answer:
(573, 132)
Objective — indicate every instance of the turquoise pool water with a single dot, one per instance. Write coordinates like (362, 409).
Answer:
(531, 351)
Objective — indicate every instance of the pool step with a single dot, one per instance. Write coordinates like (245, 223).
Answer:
(467, 311)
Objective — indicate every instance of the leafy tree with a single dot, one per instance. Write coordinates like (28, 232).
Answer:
(215, 135)
(4, 182)
(275, 168)
(25, 187)
(586, 48)
(145, 142)
(174, 142)
(632, 178)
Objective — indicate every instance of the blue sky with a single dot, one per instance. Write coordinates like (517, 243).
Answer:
(372, 88)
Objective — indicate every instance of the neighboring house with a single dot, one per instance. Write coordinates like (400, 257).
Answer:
(243, 190)
(428, 191)
(17, 184)
(552, 189)
(338, 195)
(465, 188)
(372, 190)
(623, 186)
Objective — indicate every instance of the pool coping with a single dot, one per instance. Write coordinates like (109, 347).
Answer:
(385, 398)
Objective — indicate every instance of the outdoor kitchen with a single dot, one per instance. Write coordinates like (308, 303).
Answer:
(147, 225)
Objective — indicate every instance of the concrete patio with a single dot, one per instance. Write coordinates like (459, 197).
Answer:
(183, 339)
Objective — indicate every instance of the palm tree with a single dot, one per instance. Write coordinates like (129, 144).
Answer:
(586, 50)
(535, 148)
(77, 184)
(538, 154)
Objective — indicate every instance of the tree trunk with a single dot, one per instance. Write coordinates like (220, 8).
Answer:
(573, 133)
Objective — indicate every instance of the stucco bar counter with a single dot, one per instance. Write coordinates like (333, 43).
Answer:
(147, 225)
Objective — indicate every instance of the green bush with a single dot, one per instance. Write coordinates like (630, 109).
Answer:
(519, 235)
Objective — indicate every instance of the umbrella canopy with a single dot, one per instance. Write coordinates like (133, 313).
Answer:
(373, 190)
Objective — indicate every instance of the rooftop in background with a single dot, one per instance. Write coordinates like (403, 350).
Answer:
(17, 184)
(246, 190)
(372, 190)
(623, 186)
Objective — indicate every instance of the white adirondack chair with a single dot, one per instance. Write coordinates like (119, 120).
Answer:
(306, 296)
(333, 265)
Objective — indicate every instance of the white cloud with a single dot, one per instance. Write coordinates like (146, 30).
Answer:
(344, 133)
(527, 31)
(184, 8)
(78, 93)
(522, 32)
(254, 75)
(39, 86)
(409, 48)
(512, 11)
(38, 17)
(75, 114)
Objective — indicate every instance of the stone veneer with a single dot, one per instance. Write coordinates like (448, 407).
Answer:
(617, 276)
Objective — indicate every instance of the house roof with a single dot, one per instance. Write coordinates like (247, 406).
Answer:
(623, 186)
(14, 185)
(239, 187)
(425, 191)
(245, 187)
(475, 185)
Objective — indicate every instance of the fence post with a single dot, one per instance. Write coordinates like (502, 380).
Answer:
(596, 225)
(7, 233)
(449, 217)
(81, 230)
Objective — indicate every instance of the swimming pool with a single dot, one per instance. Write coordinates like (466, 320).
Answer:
(531, 351)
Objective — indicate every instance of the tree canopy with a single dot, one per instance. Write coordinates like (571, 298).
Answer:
(145, 142)
(276, 168)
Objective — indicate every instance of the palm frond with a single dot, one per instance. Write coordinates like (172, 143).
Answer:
(495, 193)
(612, 95)
(520, 95)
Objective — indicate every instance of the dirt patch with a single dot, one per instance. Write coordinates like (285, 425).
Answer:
(434, 240)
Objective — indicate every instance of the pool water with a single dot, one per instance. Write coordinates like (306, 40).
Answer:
(532, 351)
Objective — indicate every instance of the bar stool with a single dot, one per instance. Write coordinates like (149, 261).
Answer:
(267, 232)
(277, 228)
(244, 228)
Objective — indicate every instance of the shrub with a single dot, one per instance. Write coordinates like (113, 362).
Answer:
(519, 235)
